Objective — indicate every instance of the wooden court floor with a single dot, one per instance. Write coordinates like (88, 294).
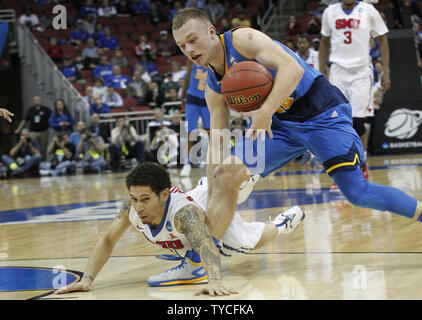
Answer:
(48, 225)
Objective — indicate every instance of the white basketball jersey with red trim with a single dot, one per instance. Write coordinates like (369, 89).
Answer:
(351, 32)
(166, 235)
(312, 59)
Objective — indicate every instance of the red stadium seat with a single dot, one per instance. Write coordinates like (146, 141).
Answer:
(122, 36)
(155, 35)
(121, 91)
(69, 50)
(145, 28)
(127, 28)
(139, 20)
(132, 62)
(129, 53)
(86, 74)
(163, 26)
(160, 60)
(129, 102)
(119, 109)
(127, 44)
(121, 20)
(127, 72)
(163, 68)
(79, 87)
(181, 59)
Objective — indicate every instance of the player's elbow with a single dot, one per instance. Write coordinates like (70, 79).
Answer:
(297, 73)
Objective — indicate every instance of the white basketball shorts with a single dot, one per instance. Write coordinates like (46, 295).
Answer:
(356, 85)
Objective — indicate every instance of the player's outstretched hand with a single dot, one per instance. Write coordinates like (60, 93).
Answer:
(261, 123)
(83, 285)
(216, 288)
(6, 114)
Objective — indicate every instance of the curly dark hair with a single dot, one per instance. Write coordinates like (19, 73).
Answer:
(149, 174)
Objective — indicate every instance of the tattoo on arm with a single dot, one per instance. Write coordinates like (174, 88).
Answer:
(125, 207)
(188, 222)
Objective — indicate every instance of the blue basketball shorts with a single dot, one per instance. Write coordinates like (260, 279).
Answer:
(193, 112)
(329, 136)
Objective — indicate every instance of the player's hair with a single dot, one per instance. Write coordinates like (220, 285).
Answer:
(151, 175)
(184, 15)
(302, 36)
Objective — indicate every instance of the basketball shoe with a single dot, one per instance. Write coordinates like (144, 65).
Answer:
(189, 271)
(246, 188)
(289, 220)
(365, 173)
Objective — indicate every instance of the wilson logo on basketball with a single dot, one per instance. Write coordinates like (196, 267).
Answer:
(241, 100)
(403, 123)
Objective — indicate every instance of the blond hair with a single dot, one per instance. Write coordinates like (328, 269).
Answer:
(186, 14)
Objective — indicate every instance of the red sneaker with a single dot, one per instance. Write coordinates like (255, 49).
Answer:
(365, 173)
(334, 187)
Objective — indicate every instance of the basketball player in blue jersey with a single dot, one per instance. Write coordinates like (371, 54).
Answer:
(302, 111)
(6, 114)
(195, 105)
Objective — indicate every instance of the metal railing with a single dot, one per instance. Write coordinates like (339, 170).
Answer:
(52, 81)
(139, 119)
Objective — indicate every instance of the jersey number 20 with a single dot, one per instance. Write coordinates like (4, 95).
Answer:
(348, 35)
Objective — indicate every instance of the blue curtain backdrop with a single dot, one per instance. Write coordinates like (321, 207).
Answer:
(4, 31)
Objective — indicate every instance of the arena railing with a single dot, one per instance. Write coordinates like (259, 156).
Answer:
(52, 81)
(139, 119)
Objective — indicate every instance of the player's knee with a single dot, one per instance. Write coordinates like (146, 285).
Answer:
(359, 126)
(354, 192)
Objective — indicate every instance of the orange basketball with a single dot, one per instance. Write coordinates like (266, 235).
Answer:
(245, 86)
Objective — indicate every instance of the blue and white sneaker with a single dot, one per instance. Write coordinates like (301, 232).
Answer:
(189, 271)
(289, 220)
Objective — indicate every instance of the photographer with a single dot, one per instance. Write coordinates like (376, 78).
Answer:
(23, 157)
(164, 146)
(90, 150)
(62, 153)
(125, 142)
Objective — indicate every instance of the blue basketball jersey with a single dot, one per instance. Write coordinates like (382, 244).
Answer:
(198, 80)
(303, 103)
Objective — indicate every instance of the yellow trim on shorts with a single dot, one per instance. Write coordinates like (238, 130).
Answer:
(343, 164)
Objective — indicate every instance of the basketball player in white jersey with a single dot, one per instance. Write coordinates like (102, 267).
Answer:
(348, 27)
(175, 220)
(6, 114)
(305, 52)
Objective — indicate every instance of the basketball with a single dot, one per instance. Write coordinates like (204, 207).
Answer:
(245, 86)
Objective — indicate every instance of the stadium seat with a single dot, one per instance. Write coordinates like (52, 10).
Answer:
(49, 33)
(180, 58)
(127, 28)
(86, 74)
(160, 60)
(119, 109)
(129, 102)
(121, 91)
(127, 72)
(122, 36)
(69, 50)
(155, 35)
(79, 87)
(132, 62)
(163, 26)
(139, 20)
(163, 68)
(145, 28)
(121, 20)
(129, 53)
